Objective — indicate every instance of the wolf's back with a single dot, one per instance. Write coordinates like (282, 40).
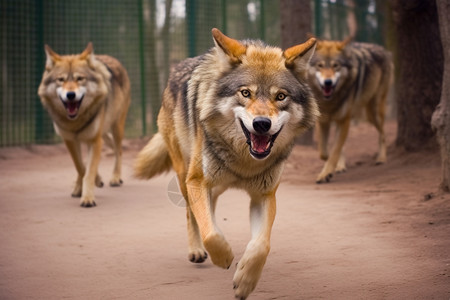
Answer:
(154, 159)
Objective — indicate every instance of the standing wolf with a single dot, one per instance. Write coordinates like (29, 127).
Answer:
(87, 96)
(348, 78)
(229, 119)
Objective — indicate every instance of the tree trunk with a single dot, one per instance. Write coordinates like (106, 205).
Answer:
(441, 116)
(153, 71)
(420, 64)
(296, 20)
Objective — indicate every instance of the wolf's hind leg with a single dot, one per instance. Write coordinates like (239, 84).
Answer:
(324, 133)
(108, 139)
(117, 132)
(341, 165)
(202, 208)
(376, 114)
(249, 268)
(330, 165)
(196, 251)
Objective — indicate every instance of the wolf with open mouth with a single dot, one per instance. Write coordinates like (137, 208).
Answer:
(229, 119)
(349, 80)
(87, 97)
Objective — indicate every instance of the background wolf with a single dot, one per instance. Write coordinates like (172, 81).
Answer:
(229, 119)
(348, 79)
(87, 96)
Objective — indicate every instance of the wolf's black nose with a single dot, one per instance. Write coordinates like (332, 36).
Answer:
(328, 82)
(70, 95)
(261, 124)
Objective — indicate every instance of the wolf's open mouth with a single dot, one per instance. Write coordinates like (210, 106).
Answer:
(72, 107)
(260, 145)
(327, 91)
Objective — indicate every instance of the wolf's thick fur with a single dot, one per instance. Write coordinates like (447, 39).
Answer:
(229, 119)
(87, 96)
(348, 80)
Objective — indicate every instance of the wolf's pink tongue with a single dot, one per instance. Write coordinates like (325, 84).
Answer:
(260, 143)
(327, 90)
(72, 108)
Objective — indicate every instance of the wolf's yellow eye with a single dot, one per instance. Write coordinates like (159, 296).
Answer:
(60, 79)
(281, 97)
(245, 93)
(80, 78)
(320, 65)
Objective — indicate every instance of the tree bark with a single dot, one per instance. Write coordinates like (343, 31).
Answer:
(295, 21)
(420, 64)
(441, 116)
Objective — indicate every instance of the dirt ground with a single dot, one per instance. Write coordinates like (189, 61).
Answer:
(374, 232)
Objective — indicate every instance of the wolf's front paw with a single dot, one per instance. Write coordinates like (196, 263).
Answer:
(341, 168)
(380, 160)
(87, 201)
(197, 255)
(322, 178)
(115, 181)
(247, 276)
(219, 250)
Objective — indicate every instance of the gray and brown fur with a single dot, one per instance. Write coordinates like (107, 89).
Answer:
(349, 80)
(87, 97)
(206, 134)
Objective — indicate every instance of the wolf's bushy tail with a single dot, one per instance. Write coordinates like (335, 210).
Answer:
(153, 159)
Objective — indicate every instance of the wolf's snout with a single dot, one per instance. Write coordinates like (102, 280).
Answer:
(328, 82)
(71, 95)
(261, 125)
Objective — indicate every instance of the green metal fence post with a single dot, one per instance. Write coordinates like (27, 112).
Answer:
(142, 68)
(317, 17)
(224, 16)
(262, 21)
(191, 30)
(39, 128)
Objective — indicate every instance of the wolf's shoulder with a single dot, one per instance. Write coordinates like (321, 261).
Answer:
(184, 69)
(370, 51)
(369, 47)
(114, 67)
(182, 72)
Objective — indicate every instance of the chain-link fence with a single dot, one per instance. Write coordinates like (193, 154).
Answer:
(147, 36)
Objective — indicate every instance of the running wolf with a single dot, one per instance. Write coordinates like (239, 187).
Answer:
(348, 79)
(87, 97)
(229, 119)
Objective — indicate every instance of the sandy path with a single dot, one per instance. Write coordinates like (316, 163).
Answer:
(373, 233)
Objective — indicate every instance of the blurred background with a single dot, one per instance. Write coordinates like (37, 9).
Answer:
(148, 37)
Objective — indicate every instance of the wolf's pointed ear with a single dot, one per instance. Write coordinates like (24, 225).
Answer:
(298, 57)
(87, 52)
(51, 57)
(232, 48)
(309, 35)
(345, 42)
